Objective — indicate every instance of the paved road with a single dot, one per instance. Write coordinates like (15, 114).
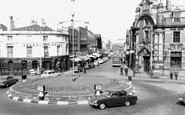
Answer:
(155, 98)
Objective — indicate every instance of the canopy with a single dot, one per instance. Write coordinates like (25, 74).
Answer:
(76, 59)
(84, 58)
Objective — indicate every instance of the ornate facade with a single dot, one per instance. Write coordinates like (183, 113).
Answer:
(157, 38)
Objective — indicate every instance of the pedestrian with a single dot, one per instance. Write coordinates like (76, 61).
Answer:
(121, 70)
(171, 74)
(126, 71)
(176, 74)
(134, 72)
(84, 69)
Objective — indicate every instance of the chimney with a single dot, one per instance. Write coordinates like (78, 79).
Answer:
(11, 23)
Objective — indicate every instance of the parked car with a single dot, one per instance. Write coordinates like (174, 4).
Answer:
(182, 99)
(33, 72)
(112, 98)
(50, 73)
(96, 63)
(78, 69)
(6, 81)
(101, 61)
(91, 65)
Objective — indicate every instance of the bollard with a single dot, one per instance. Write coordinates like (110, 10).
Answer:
(129, 78)
(24, 77)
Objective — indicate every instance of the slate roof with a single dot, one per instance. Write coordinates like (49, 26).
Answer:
(34, 27)
(3, 27)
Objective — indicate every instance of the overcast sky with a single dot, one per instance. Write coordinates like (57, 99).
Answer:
(110, 18)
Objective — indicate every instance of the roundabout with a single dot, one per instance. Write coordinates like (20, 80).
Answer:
(63, 90)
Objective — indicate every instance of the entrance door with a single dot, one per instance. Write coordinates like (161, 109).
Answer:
(10, 66)
(146, 63)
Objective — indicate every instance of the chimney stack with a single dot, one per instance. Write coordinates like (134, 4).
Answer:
(11, 23)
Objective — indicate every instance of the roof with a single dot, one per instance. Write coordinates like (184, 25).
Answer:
(3, 27)
(34, 27)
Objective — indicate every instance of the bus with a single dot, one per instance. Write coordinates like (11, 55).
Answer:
(116, 61)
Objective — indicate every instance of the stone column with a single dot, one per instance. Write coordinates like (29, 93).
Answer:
(160, 46)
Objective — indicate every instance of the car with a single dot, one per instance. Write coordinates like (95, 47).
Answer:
(6, 81)
(78, 69)
(50, 73)
(33, 72)
(101, 61)
(91, 65)
(112, 98)
(96, 63)
(182, 99)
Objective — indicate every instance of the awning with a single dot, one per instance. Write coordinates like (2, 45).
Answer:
(76, 59)
(84, 58)
(91, 56)
(96, 54)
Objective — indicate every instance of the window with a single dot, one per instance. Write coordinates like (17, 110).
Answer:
(45, 38)
(46, 52)
(29, 51)
(58, 50)
(9, 38)
(177, 20)
(176, 36)
(9, 51)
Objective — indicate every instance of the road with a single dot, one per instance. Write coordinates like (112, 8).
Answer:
(155, 98)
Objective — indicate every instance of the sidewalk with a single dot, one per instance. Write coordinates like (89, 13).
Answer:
(145, 76)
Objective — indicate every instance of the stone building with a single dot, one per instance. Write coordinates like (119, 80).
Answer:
(157, 38)
(33, 47)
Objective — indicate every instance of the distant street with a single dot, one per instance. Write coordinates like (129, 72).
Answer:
(155, 98)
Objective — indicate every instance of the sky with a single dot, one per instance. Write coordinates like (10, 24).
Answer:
(110, 18)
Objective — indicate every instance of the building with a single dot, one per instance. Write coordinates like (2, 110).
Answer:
(157, 38)
(33, 47)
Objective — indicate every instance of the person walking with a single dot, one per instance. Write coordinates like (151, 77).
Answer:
(176, 74)
(134, 72)
(121, 70)
(126, 71)
(171, 74)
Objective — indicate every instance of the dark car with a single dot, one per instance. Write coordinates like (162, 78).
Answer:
(112, 98)
(6, 81)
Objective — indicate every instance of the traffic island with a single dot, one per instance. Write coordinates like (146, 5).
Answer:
(62, 90)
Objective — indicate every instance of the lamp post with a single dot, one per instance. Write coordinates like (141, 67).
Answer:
(73, 46)
(72, 20)
(151, 48)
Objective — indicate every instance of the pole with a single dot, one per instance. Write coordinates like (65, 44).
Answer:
(40, 52)
(73, 14)
(151, 54)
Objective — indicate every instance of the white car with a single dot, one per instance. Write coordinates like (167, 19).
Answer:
(50, 73)
(96, 63)
(33, 72)
(101, 61)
